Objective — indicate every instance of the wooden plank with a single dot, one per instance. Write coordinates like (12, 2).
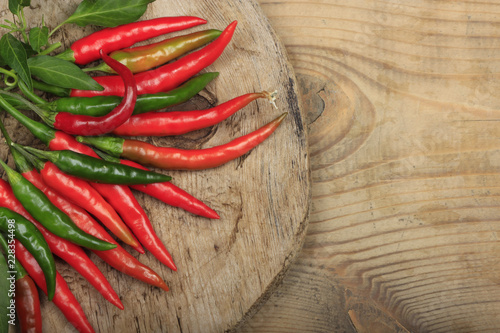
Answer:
(225, 267)
(403, 130)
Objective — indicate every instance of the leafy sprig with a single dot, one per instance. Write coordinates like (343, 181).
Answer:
(26, 56)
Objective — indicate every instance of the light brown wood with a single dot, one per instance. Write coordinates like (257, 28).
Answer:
(403, 105)
(225, 267)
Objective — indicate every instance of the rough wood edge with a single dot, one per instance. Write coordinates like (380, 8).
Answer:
(293, 97)
(278, 279)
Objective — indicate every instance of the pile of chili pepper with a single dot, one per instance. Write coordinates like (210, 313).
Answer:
(59, 197)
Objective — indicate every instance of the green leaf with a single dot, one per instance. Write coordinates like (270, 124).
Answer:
(61, 73)
(108, 13)
(14, 6)
(14, 54)
(39, 37)
(29, 50)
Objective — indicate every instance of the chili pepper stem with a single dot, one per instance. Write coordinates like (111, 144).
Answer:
(271, 97)
(112, 145)
(46, 116)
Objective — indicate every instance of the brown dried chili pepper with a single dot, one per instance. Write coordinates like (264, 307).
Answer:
(166, 77)
(87, 48)
(181, 122)
(181, 159)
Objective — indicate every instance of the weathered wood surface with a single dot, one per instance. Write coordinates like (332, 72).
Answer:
(225, 267)
(403, 106)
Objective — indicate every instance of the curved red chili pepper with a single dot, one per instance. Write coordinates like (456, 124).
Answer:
(139, 223)
(84, 195)
(129, 264)
(197, 159)
(69, 252)
(63, 298)
(122, 200)
(173, 195)
(181, 122)
(28, 305)
(168, 76)
(182, 159)
(80, 124)
(87, 48)
(117, 258)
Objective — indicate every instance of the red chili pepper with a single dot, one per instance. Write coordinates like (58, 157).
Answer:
(69, 252)
(166, 192)
(168, 76)
(89, 125)
(117, 258)
(182, 159)
(139, 223)
(28, 305)
(173, 195)
(87, 48)
(58, 140)
(122, 200)
(84, 195)
(181, 122)
(63, 298)
(144, 57)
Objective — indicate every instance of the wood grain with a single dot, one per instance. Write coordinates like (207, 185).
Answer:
(225, 267)
(402, 105)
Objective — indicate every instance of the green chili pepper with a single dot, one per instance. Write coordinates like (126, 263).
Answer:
(25, 232)
(95, 169)
(44, 211)
(16, 103)
(58, 91)
(5, 299)
(18, 268)
(101, 105)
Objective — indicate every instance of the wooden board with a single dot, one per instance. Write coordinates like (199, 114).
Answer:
(225, 267)
(403, 105)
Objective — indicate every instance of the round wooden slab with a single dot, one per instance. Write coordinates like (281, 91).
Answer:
(226, 266)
